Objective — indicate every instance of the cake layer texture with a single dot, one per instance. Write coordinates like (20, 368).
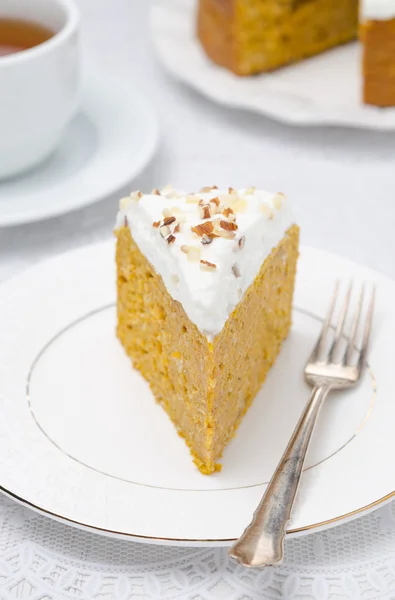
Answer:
(254, 36)
(204, 382)
(378, 38)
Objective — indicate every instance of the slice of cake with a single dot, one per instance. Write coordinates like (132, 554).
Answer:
(378, 38)
(205, 284)
(253, 36)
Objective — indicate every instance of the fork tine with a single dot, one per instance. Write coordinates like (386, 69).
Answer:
(354, 328)
(366, 333)
(321, 340)
(340, 325)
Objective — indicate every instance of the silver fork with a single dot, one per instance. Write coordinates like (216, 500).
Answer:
(262, 543)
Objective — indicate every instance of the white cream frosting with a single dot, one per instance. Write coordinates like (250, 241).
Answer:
(208, 294)
(379, 10)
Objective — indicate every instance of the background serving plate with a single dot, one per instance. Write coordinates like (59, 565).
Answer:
(324, 90)
(82, 439)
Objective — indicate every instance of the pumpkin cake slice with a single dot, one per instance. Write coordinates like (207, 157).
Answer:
(377, 33)
(255, 36)
(205, 284)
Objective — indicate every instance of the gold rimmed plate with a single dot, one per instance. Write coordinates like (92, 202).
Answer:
(83, 440)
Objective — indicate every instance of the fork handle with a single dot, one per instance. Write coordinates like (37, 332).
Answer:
(262, 543)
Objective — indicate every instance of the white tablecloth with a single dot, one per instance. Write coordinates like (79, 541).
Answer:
(342, 184)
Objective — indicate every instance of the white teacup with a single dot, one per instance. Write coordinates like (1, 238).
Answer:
(39, 87)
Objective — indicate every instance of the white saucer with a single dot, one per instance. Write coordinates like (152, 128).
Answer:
(82, 439)
(110, 141)
(324, 90)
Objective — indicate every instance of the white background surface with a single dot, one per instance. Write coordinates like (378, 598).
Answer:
(342, 183)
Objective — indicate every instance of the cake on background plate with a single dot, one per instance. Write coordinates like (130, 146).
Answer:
(255, 36)
(205, 284)
(377, 33)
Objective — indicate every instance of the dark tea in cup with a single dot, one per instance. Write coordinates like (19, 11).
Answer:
(39, 79)
(17, 35)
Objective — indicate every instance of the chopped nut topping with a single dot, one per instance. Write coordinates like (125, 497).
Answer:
(181, 217)
(177, 228)
(236, 271)
(232, 217)
(228, 211)
(169, 220)
(166, 212)
(224, 233)
(156, 192)
(193, 254)
(136, 195)
(266, 210)
(224, 229)
(228, 226)
(204, 211)
(227, 199)
(208, 188)
(170, 239)
(206, 239)
(204, 228)
(215, 210)
(156, 224)
(241, 242)
(250, 190)
(124, 202)
(240, 205)
(173, 194)
(192, 199)
(278, 200)
(205, 265)
(232, 192)
(164, 231)
(215, 206)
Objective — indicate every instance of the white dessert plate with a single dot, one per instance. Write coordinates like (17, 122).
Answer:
(108, 143)
(82, 439)
(324, 90)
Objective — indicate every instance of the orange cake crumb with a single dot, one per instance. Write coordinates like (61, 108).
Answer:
(253, 36)
(379, 62)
